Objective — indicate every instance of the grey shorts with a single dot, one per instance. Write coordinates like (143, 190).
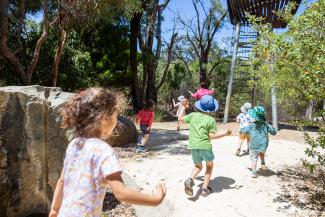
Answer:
(144, 129)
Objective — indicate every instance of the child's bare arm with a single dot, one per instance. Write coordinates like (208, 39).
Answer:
(219, 134)
(174, 104)
(125, 194)
(57, 197)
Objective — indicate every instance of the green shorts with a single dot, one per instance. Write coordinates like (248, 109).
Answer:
(199, 155)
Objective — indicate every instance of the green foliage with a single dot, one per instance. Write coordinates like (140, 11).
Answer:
(108, 45)
(316, 146)
(294, 61)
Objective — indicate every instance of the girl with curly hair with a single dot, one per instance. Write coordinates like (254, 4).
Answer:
(90, 165)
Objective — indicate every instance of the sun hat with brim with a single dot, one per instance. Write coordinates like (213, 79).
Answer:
(258, 113)
(207, 104)
(180, 98)
(246, 107)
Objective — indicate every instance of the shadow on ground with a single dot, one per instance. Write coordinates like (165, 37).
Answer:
(172, 142)
(266, 173)
(217, 185)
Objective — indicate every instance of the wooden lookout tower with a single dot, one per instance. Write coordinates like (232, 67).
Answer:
(244, 38)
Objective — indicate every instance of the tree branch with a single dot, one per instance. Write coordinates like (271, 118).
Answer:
(41, 40)
(158, 37)
(5, 51)
(214, 66)
(169, 59)
(200, 32)
(214, 31)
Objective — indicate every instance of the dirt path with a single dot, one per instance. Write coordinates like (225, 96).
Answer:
(235, 193)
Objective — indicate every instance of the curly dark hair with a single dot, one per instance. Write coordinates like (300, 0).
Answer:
(83, 112)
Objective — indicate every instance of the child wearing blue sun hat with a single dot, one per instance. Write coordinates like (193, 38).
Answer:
(203, 129)
(259, 133)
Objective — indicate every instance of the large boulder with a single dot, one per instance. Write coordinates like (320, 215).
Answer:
(124, 133)
(32, 147)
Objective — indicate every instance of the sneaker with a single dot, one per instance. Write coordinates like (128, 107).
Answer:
(188, 184)
(254, 174)
(206, 191)
(247, 151)
(140, 149)
(237, 152)
(263, 167)
(178, 128)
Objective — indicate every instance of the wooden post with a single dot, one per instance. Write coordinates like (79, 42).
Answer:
(232, 71)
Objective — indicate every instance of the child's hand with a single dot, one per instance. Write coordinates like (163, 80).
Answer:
(53, 213)
(228, 133)
(160, 192)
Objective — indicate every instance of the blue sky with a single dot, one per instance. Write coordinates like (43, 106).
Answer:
(186, 10)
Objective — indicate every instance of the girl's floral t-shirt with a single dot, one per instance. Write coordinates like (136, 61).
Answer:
(87, 163)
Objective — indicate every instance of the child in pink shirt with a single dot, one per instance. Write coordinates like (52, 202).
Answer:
(201, 92)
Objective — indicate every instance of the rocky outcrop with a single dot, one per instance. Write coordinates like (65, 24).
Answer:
(32, 147)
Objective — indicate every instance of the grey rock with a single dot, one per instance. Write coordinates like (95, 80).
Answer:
(124, 133)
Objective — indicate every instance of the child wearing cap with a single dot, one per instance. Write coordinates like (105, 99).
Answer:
(182, 105)
(259, 133)
(244, 120)
(202, 130)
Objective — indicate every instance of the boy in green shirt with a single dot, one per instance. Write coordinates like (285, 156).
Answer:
(202, 129)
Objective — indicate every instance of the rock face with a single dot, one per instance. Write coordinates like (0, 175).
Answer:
(32, 147)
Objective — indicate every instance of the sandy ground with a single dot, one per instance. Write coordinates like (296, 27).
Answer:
(235, 193)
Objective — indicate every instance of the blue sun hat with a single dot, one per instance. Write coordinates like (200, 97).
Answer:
(207, 104)
(258, 113)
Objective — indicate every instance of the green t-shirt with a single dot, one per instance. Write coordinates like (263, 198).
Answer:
(200, 127)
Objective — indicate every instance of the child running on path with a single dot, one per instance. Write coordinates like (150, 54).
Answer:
(145, 117)
(202, 129)
(182, 106)
(201, 92)
(90, 165)
(259, 133)
(244, 120)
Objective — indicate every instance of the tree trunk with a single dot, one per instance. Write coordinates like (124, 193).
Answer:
(203, 70)
(59, 50)
(24, 76)
(151, 84)
(309, 110)
(135, 28)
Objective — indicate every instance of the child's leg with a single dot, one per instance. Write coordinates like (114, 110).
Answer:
(262, 156)
(254, 158)
(178, 125)
(196, 170)
(145, 139)
(208, 173)
(248, 140)
(240, 142)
